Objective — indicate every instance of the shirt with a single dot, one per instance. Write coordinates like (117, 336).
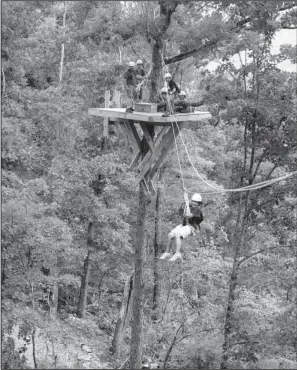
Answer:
(197, 217)
(140, 72)
(130, 77)
(173, 86)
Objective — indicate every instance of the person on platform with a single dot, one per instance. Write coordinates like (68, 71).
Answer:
(140, 77)
(189, 226)
(163, 100)
(173, 91)
(130, 86)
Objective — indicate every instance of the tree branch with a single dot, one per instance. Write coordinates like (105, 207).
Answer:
(260, 251)
(190, 53)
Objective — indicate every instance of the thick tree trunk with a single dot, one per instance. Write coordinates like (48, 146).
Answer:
(157, 239)
(238, 241)
(137, 320)
(82, 302)
(124, 315)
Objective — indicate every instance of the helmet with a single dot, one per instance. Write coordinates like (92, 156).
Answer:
(167, 75)
(139, 62)
(182, 93)
(196, 197)
(164, 90)
(131, 64)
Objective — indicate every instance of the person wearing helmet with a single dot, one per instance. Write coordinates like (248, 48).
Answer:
(163, 100)
(140, 76)
(173, 90)
(130, 86)
(181, 105)
(182, 95)
(188, 227)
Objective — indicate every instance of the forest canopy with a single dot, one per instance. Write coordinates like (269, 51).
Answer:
(70, 201)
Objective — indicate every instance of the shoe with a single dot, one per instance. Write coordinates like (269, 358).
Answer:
(175, 257)
(130, 110)
(165, 256)
(165, 115)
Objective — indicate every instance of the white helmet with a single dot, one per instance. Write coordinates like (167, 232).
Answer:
(139, 62)
(167, 75)
(164, 90)
(182, 93)
(131, 64)
(196, 197)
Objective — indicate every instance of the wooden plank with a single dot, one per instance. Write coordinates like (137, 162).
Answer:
(157, 141)
(106, 105)
(167, 140)
(165, 151)
(153, 118)
(131, 137)
(135, 133)
(148, 137)
(135, 160)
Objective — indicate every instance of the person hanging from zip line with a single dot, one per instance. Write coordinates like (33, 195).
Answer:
(130, 86)
(191, 222)
(173, 91)
(140, 77)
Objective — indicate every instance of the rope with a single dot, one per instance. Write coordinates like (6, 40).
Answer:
(257, 186)
(217, 190)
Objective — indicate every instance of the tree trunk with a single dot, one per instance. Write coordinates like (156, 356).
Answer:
(124, 315)
(34, 349)
(137, 320)
(53, 299)
(238, 240)
(82, 302)
(157, 239)
(63, 45)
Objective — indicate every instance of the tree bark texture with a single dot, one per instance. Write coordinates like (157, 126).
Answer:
(63, 45)
(82, 302)
(167, 8)
(124, 315)
(157, 240)
(137, 320)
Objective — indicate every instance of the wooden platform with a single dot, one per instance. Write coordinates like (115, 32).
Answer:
(146, 164)
(114, 114)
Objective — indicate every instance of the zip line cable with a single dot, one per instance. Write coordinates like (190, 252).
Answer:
(217, 190)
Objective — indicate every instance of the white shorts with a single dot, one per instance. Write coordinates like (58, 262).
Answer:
(182, 231)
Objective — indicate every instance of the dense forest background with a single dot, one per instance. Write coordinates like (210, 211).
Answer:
(69, 202)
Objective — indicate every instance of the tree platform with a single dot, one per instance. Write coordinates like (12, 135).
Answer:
(148, 163)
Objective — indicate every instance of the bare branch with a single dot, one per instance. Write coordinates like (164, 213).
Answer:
(261, 251)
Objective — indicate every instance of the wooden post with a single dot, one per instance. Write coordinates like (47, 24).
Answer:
(106, 105)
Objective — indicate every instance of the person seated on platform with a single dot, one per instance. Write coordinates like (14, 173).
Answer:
(140, 76)
(163, 100)
(130, 86)
(181, 105)
(188, 227)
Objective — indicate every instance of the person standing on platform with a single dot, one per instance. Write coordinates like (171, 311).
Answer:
(140, 77)
(130, 86)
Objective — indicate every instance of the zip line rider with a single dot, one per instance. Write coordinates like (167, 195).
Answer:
(188, 227)
(130, 86)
